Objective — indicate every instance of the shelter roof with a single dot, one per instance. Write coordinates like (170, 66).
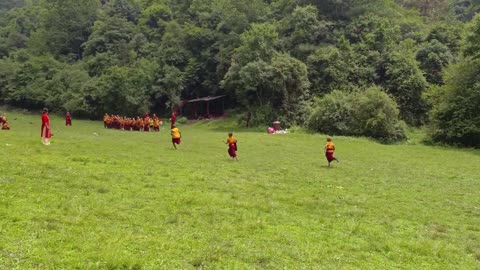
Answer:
(209, 98)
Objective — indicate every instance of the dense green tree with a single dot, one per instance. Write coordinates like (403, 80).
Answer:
(346, 67)
(28, 89)
(456, 119)
(109, 35)
(154, 19)
(258, 43)
(447, 34)
(169, 84)
(8, 70)
(375, 32)
(455, 116)
(9, 4)
(279, 84)
(127, 9)
(331, 68)
(121, 91)
(65, 91)
(66, 25)
(406, 83)
(303, 31)
(433, 58)
(472, 44)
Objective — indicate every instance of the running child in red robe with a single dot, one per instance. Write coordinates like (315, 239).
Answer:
(176, 136)
(232, 146)
(68, 119)
(329, 150)
(45, 131)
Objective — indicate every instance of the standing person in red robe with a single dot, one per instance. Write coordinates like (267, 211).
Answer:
(46, 133)
(146, 124)
(68, 119)
(173, 119)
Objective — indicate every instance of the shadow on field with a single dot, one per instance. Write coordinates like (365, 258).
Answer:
(325, 167)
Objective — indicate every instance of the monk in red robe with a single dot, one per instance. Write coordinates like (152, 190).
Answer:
(146, 124)
(173, 119)
(4, 122)
(232, 146)
(46, 134)
(329, 150)
(68, 119)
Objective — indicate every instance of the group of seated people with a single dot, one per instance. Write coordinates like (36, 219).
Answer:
(146, 123)
(4, 122)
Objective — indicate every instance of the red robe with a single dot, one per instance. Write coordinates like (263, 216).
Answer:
(68, 119)
(173, 119)
(232, 150)
(45, 131)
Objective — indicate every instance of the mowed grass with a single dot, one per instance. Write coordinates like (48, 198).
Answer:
(107, 199)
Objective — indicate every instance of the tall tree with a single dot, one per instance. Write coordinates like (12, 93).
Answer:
(66, 25)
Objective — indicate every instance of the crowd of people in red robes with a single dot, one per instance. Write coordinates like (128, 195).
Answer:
(145, 123)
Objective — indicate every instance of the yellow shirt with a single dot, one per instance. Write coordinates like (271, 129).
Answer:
(330, 147)
(231, 140)
(175, 133)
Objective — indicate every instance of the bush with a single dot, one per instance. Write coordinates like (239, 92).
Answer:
(377, 115)
(182, 120)
(369, 113)
(332, 114)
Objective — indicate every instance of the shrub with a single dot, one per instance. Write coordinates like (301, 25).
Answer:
(332, 114)
(369, 113)
(377, 115)
(182, 120)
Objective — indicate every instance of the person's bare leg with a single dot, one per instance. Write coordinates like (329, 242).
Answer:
(174, 145)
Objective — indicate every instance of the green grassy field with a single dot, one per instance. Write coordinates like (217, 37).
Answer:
(127, 200)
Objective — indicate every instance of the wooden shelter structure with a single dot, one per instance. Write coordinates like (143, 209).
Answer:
(204, 108)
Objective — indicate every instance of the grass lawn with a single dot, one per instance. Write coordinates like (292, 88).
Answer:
(107, 199)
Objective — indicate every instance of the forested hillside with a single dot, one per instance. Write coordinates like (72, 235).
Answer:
(352, 67)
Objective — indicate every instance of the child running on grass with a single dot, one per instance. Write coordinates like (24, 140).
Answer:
(232, 146)
(176, 136)
(329, 150)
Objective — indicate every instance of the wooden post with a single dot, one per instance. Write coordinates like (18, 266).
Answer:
(195, 107)
(223, 106)
(208, 109)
